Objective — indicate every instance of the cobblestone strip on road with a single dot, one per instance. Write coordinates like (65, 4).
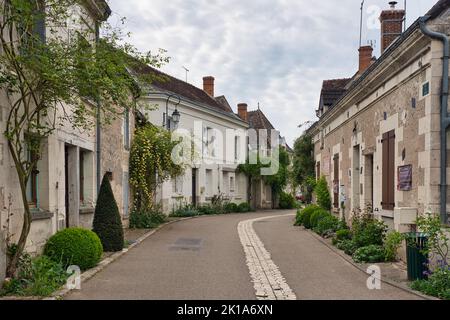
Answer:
(267, 279)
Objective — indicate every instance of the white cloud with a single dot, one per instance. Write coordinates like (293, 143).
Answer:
(274, 52)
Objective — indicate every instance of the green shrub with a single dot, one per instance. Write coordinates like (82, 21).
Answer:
(299, 218)
(231, 208)
(107, 221)
(287, 201)
(307, 213)
(437, 284)
(392, 244)
(244, 207)
(348, 246)
(146, 219)
(329, 224)
(343, 234)
(368, 231)
(317, 216)
(75, 246)
(206, 209)
(371, 254)
(40, 278)
(186, 212)
(323, 194)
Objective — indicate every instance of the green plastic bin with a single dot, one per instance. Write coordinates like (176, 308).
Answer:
(416, 259)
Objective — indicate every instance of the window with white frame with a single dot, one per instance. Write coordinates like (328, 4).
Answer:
(232, 184)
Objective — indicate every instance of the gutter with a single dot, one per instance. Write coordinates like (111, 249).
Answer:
(445, 119)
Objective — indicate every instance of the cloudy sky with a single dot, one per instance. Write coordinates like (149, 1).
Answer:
(275, 52)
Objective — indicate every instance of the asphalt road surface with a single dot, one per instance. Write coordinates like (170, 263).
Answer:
(233, 257)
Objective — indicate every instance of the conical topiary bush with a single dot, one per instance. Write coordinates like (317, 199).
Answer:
(107, 221)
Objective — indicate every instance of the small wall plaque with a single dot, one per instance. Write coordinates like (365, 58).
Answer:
(405, 178)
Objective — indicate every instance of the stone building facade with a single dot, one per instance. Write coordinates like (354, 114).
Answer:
(219, 133)
(378, 141)
(63, 190)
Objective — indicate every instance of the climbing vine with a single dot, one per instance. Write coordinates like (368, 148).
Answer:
(151, 164)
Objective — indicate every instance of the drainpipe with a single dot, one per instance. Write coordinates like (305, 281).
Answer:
(98, 125)
(445, 119)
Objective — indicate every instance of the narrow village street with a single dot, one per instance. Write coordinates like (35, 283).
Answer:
(204, 258)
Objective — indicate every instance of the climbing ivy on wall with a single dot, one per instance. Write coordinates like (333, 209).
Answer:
(151, 164)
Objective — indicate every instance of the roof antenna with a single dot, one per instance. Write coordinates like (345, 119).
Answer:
(405, 16)
(187, 70)
(258, 106)
(361, 24)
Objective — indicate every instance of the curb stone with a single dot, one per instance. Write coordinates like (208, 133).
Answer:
(360, 268)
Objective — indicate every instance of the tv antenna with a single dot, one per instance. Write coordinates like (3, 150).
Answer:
(361, 24)
(187, 71)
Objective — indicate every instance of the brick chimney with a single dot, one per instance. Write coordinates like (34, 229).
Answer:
(208, 85)
(243, 111)
(391, 25)
(365, 58)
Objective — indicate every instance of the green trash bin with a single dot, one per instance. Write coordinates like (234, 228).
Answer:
(416, 259)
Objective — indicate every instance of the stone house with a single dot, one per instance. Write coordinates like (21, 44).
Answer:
(379, 137)
(63, 188)
(220, 138)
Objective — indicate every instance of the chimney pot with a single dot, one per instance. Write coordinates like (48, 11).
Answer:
(208, 85)
(243, 111)
(391, 25)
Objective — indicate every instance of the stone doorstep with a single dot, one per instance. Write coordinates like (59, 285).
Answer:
(394, 274)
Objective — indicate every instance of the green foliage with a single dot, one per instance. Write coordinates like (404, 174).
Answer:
(107, 221)
(185, 211)
(231, 208)
(287, 201)
(151, 164)
(392, 244)
(317, 216)
(75, 246)
(146, 219)
(328, 225)
(343, 234)
(304, 165)
(244, 207)
(206, 209)
(299, 218)
(348, 246)
(323, 194)
(370, 254)
(368, 231)
(437, 284)
(40, 277)
(307, 213)
(438, 241)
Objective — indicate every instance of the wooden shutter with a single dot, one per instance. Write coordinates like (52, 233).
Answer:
(388, 185)
(318, 170)
(336, 181)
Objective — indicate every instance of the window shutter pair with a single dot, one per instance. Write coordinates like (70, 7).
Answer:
(388, 185)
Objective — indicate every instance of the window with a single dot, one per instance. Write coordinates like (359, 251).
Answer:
(177, 185)
(33, 181)
(209, 183)
(39, 24)
(126, 130)
(126, 200)
(318, 170)
(388, 191)
(232, 184)
(425, 89)
(236, 148)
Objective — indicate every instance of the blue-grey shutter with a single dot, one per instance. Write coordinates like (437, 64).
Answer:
(39, 25)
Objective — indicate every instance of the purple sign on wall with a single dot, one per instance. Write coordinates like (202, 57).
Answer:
(405, 178)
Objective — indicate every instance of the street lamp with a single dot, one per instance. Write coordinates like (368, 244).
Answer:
(175, 115)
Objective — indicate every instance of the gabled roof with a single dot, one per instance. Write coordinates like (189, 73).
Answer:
(162, 82)
(258, 120)
(224, 102)
(332, 90)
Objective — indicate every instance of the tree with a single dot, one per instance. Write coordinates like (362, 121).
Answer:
(323, 194)
(304, 165)
(62, 77)
(107, 221)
